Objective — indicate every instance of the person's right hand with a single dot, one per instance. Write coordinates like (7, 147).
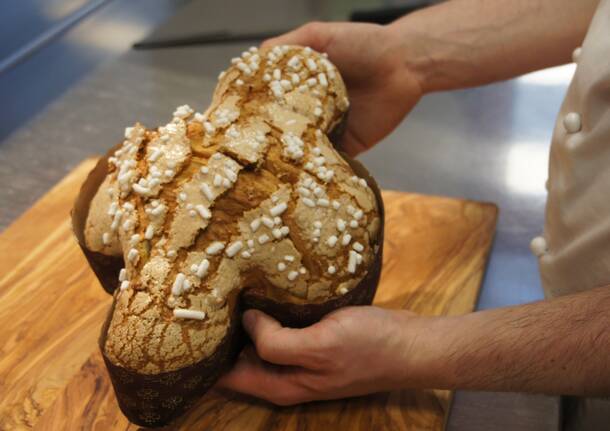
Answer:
(381, 88)
(351, 351)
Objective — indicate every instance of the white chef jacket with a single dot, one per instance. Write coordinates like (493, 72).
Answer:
(574, 251)
(575, 255)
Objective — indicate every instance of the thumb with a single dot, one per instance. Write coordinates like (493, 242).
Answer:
(275, 343)
(314, 34)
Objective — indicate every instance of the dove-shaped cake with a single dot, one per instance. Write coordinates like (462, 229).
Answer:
(246, 205)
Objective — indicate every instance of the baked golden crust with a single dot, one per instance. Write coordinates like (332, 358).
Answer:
(248, 195)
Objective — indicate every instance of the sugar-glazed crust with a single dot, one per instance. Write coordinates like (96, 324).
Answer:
(249, 194)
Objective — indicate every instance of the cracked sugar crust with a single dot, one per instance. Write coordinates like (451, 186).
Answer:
(249, 193)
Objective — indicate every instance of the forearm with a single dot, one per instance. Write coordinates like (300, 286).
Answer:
(463, 43)
(561, 346)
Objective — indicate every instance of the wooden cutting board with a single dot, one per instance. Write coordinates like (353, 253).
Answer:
(51, 308)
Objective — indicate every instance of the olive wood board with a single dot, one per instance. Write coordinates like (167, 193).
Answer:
(52, 376)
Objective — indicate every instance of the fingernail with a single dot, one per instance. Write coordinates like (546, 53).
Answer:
(248, 319)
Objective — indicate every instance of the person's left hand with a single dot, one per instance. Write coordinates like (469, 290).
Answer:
(352, 351)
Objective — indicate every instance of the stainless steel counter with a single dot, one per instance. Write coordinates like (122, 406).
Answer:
(489, 144)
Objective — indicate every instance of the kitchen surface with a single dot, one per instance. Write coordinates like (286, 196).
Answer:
(70, 86)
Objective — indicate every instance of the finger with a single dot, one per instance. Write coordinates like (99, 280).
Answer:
(314, 34)
(290, 38)
(277, 344)
(351, 144)
(254, 377)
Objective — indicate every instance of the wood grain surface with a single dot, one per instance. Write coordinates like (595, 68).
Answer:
(52, 376)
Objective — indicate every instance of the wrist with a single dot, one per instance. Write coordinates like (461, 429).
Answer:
(414, 55)
(426, 352)
(398, 62)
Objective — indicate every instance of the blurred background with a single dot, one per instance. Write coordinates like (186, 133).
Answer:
(70, 81)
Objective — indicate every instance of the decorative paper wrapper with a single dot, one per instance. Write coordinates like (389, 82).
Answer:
(155, 400)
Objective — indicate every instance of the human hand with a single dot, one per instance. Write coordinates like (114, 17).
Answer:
(352, 351)
(382, 89)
